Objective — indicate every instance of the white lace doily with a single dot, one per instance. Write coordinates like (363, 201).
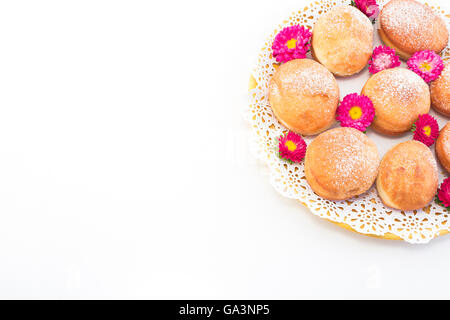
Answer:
(366, 213)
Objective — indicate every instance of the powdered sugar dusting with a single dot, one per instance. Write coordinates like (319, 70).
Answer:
(350, 32)
(366, 213)
(446, 140)
(357, 17)
(444, 78)
(308, 77)
(410, 20)
(400, 85)
(399, 156)
(445, 75)
(406, 162)
(346, 158)
(440, 91)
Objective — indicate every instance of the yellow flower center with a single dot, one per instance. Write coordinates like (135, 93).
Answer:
(291, 43)
(427, 130)
(355, 113)
(425, 66)
(290, 145)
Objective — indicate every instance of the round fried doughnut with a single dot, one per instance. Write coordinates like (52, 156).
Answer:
(342, 40)
(341, 163)
(409, 26)
(304, 96)
(399, 96)
(408, 176)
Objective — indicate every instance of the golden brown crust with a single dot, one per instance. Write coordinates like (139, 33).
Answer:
(402, 54)
(443, 147)
(410, 26)
(399, 96)
(304, 96)
(408, 177)
(440, 91)
(341, 163)
(342, 40)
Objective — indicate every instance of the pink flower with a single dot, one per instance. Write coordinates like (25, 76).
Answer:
(355, 111)
(291, 43)
(427, 64)
(369, 7)
(383, 58)
(426, 129)
(291, 147)
(443, 196)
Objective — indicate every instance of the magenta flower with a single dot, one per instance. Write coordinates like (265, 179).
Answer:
(426, 129)
(383, 57)
(355, 111)
(291, 147)
(291, 43)
(427, 64)
(443, 196)
(369, 7)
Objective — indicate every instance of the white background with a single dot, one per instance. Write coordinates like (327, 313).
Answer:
(125, 170)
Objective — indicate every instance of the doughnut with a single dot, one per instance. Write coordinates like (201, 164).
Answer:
(341, 163)
(342, 40)
(443, 147)
(409, 26)
(440, 91)
(304, 96)
(399, 96)
(408, 176)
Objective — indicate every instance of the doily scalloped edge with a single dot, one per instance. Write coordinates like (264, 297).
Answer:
(387, 235)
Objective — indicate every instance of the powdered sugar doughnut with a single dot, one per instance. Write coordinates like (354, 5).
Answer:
(440, 91)
(399, 96)
(443, 147)
(304, 96)
(342, 40)
(409, 26)
(408, 177)
(341, 163)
